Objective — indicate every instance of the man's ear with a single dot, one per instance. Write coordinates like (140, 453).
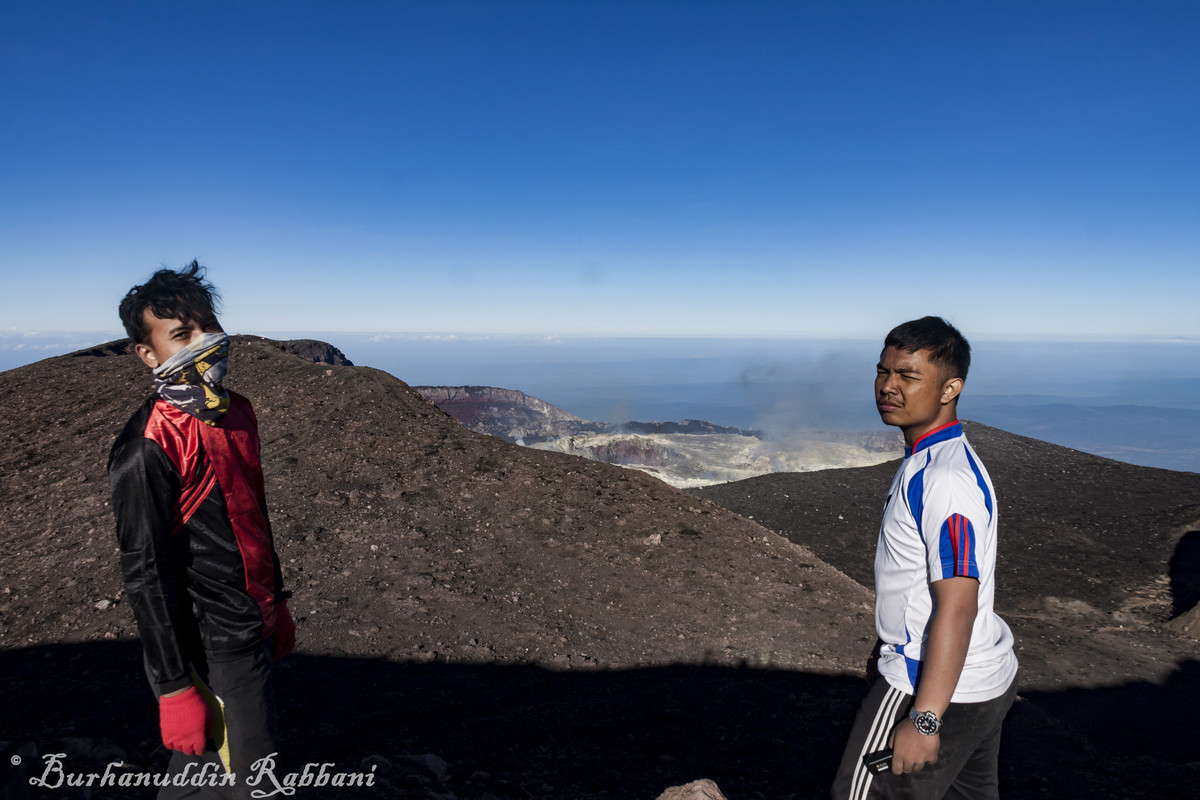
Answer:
(146, 354)
(951, 389)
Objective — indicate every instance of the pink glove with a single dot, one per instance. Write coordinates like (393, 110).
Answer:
(184, 721)
(284, 639)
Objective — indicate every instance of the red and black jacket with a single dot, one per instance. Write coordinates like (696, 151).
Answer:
(196, 549)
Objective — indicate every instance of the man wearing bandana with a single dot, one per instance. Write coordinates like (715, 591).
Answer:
(197, 554)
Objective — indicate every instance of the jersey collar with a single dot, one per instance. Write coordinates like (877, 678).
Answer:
(951, 430)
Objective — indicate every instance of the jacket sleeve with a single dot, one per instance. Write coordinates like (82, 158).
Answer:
(261, 491)
(145, 493)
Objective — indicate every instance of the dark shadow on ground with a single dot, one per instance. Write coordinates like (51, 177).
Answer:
(1136, 719)
(527, 732)
(1184, 570)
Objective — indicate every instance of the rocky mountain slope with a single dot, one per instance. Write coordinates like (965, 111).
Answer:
(477, 619)
(463, 574)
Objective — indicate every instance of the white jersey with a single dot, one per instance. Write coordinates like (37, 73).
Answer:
(939, 522)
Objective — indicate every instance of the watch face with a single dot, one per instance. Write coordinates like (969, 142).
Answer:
(926, 722)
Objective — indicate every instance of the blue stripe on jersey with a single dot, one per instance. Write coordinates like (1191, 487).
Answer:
(914, 670)
(987, 496)
(916, 497)
(956, 547)
(912, 665)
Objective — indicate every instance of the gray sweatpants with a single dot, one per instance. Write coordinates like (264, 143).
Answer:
(966, 768)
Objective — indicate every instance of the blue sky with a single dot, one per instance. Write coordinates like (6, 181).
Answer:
(751, 169)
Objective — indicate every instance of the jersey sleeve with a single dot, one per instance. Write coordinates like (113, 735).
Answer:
(955, 513)
(145, 490)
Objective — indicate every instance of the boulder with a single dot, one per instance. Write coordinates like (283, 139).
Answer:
(703, 789)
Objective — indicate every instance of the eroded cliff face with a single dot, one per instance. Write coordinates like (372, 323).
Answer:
(511, 415)
(494, 399)
(521, 418)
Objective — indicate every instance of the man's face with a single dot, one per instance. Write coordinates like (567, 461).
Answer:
(168, 337)
(911, 394)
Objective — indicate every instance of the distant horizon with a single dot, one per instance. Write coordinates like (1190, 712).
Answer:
(21, 347)
(1136, 400)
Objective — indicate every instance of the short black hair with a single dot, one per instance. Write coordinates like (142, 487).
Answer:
(184, 295)
(948, 349)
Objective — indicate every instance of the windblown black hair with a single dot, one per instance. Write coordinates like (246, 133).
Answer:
(948, 349)
(184, 295)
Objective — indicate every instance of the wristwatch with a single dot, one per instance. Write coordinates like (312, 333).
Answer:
(926, 722)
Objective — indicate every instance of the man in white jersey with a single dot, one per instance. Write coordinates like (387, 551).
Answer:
(947, 674)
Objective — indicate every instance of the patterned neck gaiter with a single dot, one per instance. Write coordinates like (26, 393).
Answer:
(191, 379)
